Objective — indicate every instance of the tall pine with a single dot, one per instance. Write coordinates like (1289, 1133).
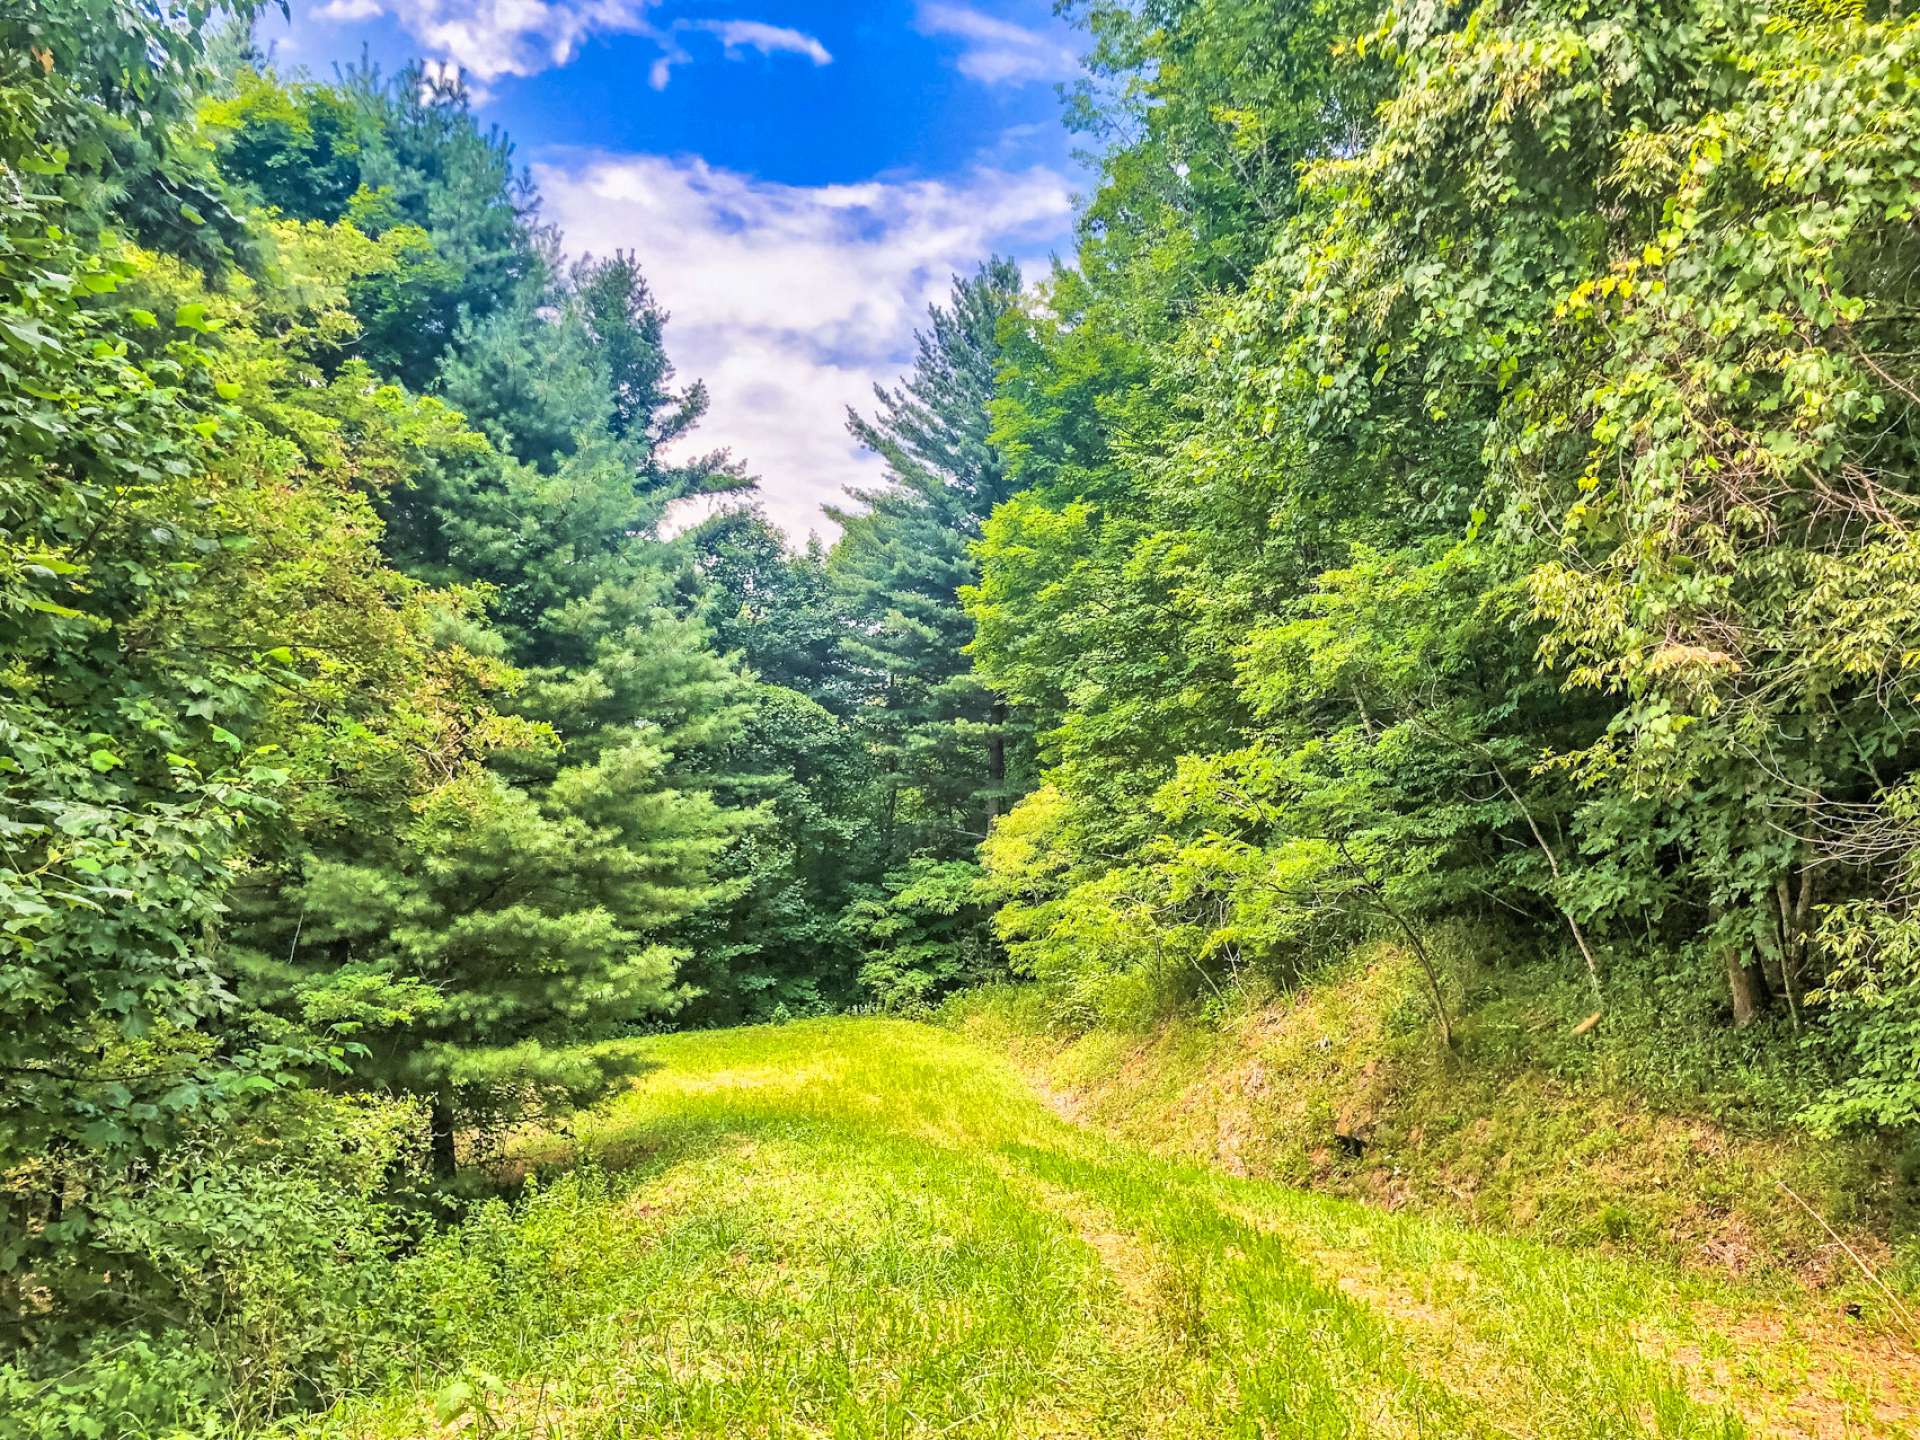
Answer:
(940, 735)
(940, 740)
(531, 902)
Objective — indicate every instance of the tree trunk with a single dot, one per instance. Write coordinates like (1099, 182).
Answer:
(996, 759)
(1795, 924)
(440, 1137)
(1747, 986)
(1379, 894)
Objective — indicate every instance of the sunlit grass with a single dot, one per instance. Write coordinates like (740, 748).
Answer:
(870, 1228)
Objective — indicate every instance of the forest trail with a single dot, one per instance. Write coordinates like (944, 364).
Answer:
(875, 1228)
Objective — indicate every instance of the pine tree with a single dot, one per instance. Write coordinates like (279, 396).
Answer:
(393, 154)
(530, 903)
(901, 562)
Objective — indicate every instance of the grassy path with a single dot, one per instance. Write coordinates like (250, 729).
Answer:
(872, 1228)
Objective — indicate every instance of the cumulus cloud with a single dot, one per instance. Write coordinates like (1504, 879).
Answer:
(492, 38)
(792, 301)
(995, 51)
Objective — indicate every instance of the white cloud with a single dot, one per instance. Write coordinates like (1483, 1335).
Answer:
(492, 38)
(737, 35)
(996, 51)
(736, 38)
(792, 301)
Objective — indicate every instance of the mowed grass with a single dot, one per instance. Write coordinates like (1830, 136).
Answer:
(876, 1228)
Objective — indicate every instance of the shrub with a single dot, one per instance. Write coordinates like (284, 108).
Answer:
(251, 1271)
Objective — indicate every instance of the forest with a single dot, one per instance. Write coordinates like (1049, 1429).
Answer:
(1461, 492)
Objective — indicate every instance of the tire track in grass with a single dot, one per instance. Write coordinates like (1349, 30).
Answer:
(1541, 1341)
(868, 1229)
(1133, 1389)
(1521, 1366)
(1257, 1347)
(1793, 1376)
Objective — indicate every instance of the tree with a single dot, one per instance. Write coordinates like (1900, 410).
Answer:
(901, 563)
(526, 901)
(207, 659)
(530, 904)
(1492, 439)
(782, 946)
(400, 154)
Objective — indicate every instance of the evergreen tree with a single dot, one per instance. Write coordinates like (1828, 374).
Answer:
(531, 385)
(901, 563)
(401, 154)
(529, 901)
(530, 904)
(208, 662)
(782, 945)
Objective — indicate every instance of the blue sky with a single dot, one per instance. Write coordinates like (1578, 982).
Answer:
(800, 180)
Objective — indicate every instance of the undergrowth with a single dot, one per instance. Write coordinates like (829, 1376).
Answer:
(1654, 1129)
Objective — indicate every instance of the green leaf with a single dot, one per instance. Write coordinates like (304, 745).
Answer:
(49, 162)
(26, 333)
(193, 316)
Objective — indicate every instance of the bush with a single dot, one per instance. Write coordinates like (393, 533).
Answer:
(1873, 995)
(252, 1270)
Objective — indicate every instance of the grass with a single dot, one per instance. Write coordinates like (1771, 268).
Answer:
(1641, 1136)
(876, 1228)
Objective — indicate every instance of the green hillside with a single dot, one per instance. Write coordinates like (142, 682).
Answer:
(703, 731)
(875, 1228)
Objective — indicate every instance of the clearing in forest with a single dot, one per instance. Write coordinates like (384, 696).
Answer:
(876, 1228)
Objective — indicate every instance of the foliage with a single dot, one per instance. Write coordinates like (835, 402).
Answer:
(317, 771)
(524, 893)
(1466, 470)
(256, 1267)
(1469, 469)
(939, 736)
(781, 947)
(925, 933)
(402, 157)
(132, 715)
